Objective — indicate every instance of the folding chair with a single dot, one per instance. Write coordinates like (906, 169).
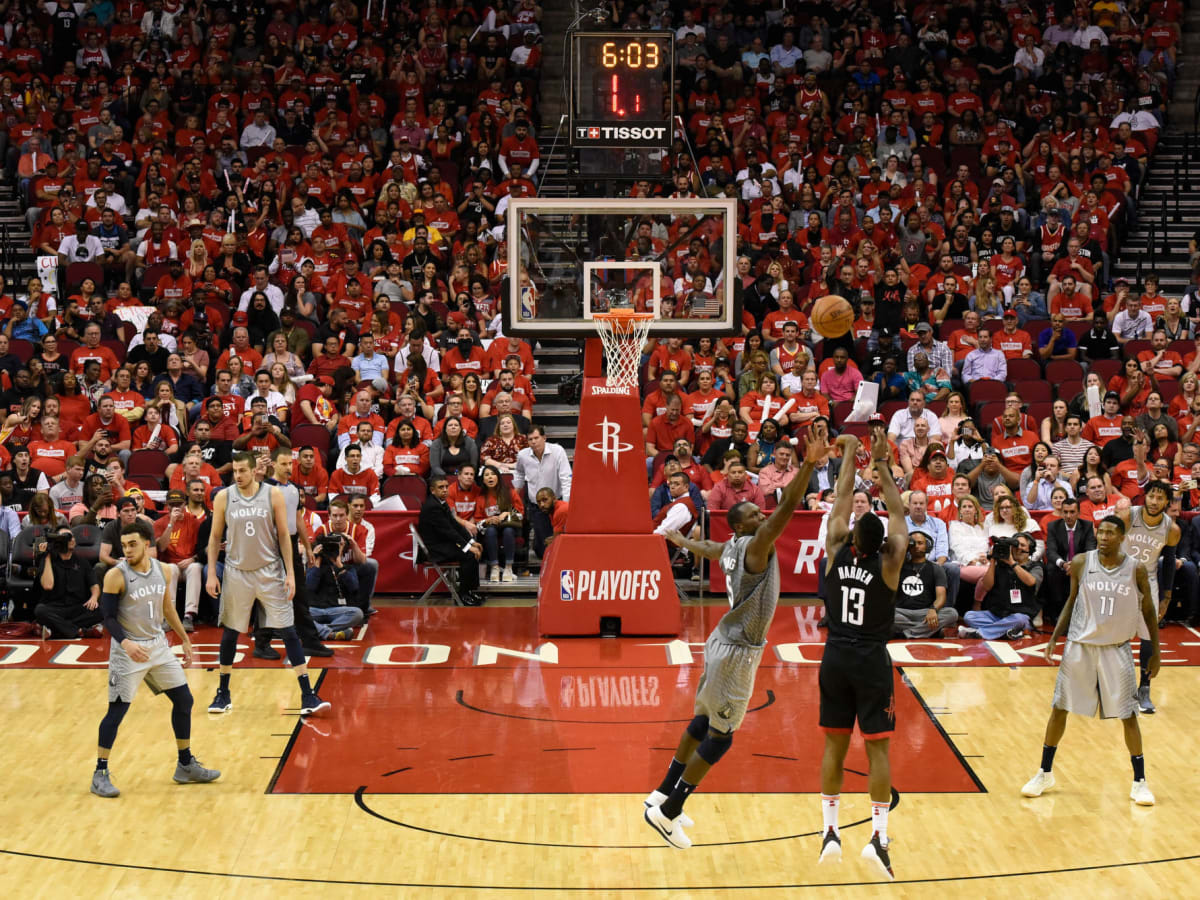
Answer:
(444, 573)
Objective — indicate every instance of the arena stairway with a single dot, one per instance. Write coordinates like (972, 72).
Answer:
(1168, 215)
(16, 256)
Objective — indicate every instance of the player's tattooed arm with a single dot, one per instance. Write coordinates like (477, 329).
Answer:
(707, 549)
(1149, 616)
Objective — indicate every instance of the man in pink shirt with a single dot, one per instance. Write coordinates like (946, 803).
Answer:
(781, 470)
(735, 488)
(840, 382)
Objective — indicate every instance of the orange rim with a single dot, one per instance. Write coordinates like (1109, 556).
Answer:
(621, 320)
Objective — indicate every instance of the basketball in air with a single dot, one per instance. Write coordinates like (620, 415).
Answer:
(832, 316)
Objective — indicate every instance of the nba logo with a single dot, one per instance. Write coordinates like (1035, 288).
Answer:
(528, 309)
(566, 585)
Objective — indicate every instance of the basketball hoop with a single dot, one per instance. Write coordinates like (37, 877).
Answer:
(623, 333)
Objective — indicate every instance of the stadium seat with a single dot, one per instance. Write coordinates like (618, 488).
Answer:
(87, 542)
(76, 272)
(891, 407)
(1133, 348)
(409, 488)
(1063, 370)
(1106, 368)
(1024, 370)
(119, 349)
(22, 349)
(147, 462)
(310, 435)
(985, 391)
(147, 482)
(1066, 390)
(1034, 391)
(1168, 388)
(987, 412)
(150, 279)
(948, 327)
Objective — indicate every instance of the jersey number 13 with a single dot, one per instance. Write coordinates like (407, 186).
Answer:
(852, 605)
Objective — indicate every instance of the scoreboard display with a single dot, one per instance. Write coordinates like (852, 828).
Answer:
(621, 89)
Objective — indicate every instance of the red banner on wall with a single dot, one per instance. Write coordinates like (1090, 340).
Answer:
(398, 573)
(798, 549)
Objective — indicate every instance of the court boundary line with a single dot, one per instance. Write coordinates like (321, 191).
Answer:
(287, 750)
(581, 890)
(962, 760)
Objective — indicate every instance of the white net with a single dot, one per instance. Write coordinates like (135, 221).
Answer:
(623, 337)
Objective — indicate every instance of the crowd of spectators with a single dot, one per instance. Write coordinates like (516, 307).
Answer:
(269, 227)
(963, 176)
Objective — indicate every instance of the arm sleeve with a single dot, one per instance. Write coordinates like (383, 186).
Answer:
(108, 607)
(1166, 580)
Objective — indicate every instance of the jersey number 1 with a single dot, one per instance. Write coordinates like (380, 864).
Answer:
(852, 605)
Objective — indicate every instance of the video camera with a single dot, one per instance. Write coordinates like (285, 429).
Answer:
(58, 541)
(1002, 549)
(329, 547)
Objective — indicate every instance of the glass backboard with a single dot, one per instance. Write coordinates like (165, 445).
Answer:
(569, 258)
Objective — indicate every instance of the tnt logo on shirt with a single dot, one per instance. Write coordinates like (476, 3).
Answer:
(566, 585)
(913, 586)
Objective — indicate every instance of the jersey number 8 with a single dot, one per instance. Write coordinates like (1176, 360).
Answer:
(852, 605)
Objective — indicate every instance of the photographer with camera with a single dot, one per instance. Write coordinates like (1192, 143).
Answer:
(333, 590)
(1006, 599)
(353, 560)
(70, 589)
(967, 445)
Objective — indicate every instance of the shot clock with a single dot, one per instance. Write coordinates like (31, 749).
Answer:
(621, 89)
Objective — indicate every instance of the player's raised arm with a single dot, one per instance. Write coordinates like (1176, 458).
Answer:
(896, 544)
(760, 546)
(1064, 618)
(1149, 616)
(838, 531)
(215, 536)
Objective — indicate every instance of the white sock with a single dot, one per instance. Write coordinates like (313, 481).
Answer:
(879, 814)
(829, 813)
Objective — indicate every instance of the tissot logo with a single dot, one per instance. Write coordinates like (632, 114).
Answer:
(649, 133)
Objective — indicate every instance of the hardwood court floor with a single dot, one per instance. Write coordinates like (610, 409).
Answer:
(481, 773)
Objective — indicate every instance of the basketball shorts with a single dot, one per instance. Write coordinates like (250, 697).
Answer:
(856, 684)
(240, 588)
(727, 682)
(161, 672)
(1092, 675)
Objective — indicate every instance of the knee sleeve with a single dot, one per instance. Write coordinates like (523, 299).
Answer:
(713, 747)
(112, 721)
(228, 648)
(698, 727)
(293, 647)
(181, 712)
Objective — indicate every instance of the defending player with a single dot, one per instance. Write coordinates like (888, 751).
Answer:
(134, 603)
(1149, 534)
(735, 647)
(258, 566)
(862, 573)
(1104, 612)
